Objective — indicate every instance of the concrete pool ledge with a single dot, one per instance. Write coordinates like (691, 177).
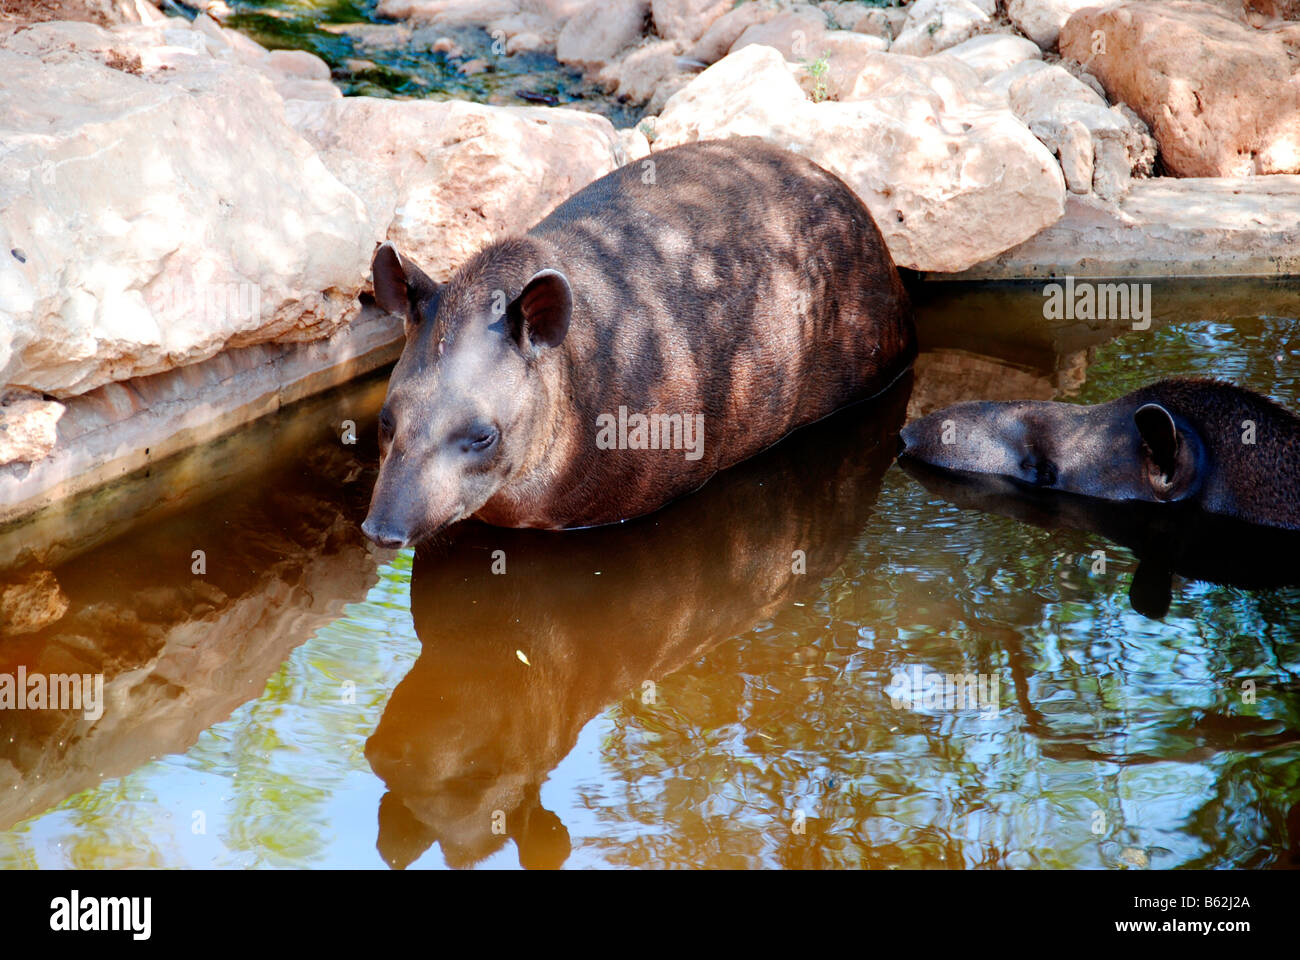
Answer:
(120, 428)
(1164, 227)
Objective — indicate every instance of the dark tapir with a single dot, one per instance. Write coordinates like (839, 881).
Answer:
(669, 320)
(1202, 443)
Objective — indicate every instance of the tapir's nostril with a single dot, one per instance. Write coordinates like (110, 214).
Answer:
(381, 534)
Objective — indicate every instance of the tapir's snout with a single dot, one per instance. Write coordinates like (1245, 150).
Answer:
(388, 523)
(907, 438)
(975, 437)
(415, 499)
(930, 439)
(383, 533)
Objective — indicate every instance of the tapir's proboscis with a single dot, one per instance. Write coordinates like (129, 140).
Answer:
(1205, 445)
(671, 319)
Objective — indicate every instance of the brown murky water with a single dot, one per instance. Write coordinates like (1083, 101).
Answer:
(722, 684)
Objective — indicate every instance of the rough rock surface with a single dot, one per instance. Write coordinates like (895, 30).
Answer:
(122, 428)
(1099, 147)
(1280, 9)
(798, 33)
(684, 21)
(1221, 98)
(28, 426)
(947, 83)
(600, 30)
(723, 33)
(934, 25)
(841, 61)
(1041, 20)
(121, 256)
(442, 178)
(1166, 227)
(637, 74)
(447, 13)
(992, 53)
(104, 13)
(949, 181)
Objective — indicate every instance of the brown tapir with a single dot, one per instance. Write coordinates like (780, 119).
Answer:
(470, 734)
(667, 321)
(1205, 444)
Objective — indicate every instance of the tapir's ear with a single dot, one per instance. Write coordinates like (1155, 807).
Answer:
(1156, 426)
(539, 317)
(401, 287)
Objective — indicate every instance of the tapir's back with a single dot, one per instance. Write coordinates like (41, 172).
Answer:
(731, 279)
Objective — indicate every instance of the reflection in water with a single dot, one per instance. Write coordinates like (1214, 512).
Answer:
(1120, 740)
(186, 617)
(1167, 539)
(526, 635)
(945, 377)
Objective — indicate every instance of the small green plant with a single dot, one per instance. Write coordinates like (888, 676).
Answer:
(817, 69)
(647, 127)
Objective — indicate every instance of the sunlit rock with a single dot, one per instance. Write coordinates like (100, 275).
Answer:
(1000, 83)
(440, 179)
(1166, 226)
(104, 13)
(798, 33)
(950, 178)
(884, 22)
(1041, 20)
(447, 13)
(992, 53)
(28, 427)
(684, 21)
(935, 25)
(1099, 147)
(596, 34)
(131, 241)
(636, 75)
(1222, 99)
(842, 57)
(723, 33)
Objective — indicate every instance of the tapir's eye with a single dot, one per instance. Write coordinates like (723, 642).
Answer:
(478, 438)
(385, 424)
(1040, 470)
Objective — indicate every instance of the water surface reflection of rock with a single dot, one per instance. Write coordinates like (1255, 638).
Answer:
(515, 663)
(179, 650)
